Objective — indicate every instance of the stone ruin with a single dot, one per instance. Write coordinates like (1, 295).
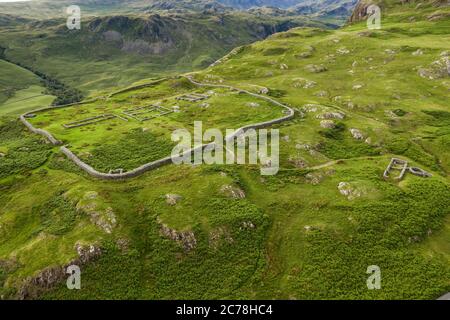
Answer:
(402, 166)
(193, 97)
(88, 121)
(141, 113)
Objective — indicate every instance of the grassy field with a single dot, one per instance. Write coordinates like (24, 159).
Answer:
(294, 235)
(20, 90)
(139, 46)
(128, 141)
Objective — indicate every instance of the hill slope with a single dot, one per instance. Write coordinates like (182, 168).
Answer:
(219, 232)
(20, 90)
(118, 50)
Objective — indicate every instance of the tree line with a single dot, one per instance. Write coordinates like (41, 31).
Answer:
(64, 94)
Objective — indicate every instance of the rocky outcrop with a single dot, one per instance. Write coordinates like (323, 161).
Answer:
(357, 134)
(48, 278)
(172, 199)
(360, 11)
(232, 192)
(218, 235)
(349, 191)
(298, 162)
(316, 68)
(327, 124)
(438, 69)
(103, 218)
(331, 115)
(185, 238)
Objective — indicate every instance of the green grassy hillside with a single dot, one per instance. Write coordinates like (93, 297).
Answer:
(226, 232)
(115, 51)
(20, 90)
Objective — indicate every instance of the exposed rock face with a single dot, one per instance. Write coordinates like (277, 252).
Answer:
(173, 199)
(314, 178)
(343, 51)
(349, 191)
(33, 287)
(418, 52)
(438, 69)
(219, 234)
(248, 225)
(438, 16)
(303, 83)
(310, 108)
(264, 91)
(327, 124)
(356, 134)
(317, 177)
(313, 68)
(298, 162)
(123, 244)
(360, 11)
(321, 94)
(103, 218)
(186, 238)
(331, 115)
(232, 192)
(304, 146)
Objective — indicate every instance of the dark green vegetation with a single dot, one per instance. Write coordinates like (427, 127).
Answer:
(116, 50)
(131, 151)
(20, 152)
(128, 143)
(64, 94)
(20, 90)
(294, 235)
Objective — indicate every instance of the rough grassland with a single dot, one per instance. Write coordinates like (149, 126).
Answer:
(20, 90)
(294, 235)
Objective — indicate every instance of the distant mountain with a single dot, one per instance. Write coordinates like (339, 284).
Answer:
(323, 8)
(10, 20)
(55, 8)
(247, 4)
(119, 49)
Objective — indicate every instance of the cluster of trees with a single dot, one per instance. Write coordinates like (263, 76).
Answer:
(63, 93)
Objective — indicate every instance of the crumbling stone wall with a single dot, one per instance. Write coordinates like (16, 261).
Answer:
(168, 160)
